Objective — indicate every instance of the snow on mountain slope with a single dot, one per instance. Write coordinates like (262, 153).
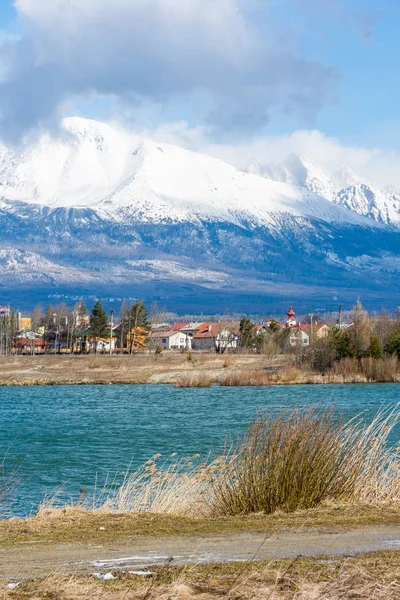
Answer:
(29, 267)
(298, 171)
(125, 178)
(344, 188)
(344, 177)
(371, 203)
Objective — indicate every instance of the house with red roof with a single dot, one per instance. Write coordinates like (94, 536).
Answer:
(216, 336)
(26, 345)
(171, 340)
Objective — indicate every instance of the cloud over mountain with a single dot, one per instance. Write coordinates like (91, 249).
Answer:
(232, 63)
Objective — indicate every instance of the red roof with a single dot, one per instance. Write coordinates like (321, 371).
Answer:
(25, 342)
(207, 330)
(211, 330)
(179, 326)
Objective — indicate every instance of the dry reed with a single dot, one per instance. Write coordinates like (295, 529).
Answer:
(297, 460)
(175, 487)
(246, 379)
(195, 381)
(367, 370)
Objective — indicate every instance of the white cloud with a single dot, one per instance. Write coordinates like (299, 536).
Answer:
(232, 67)
(380, 166)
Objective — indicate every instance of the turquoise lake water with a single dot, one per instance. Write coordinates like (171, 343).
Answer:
(65, 436)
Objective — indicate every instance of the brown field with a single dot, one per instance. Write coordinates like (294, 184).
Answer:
(140, 368)
(203, 370)
(364, 577)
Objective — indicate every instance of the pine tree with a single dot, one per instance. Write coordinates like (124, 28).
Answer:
(341, 343)
(247, 333)
(393, 345)
(98, 322)
(274, 326)
(375, 348)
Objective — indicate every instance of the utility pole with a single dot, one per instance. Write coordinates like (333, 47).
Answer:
(312, 328)
(111, 328)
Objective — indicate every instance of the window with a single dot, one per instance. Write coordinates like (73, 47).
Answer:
(164, 341)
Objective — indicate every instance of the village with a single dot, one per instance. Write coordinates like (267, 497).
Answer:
(78, 332)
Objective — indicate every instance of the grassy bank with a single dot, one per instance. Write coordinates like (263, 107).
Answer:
(75, 524)
(374, 575)
(203, 370)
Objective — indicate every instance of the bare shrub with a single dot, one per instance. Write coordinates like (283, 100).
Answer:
(245, 379)
(380, 370)
(367, 369)
(195, 381)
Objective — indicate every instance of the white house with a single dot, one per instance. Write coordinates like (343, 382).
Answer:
(215, 336)
(171, 340)
(191, 328)
(298, 337)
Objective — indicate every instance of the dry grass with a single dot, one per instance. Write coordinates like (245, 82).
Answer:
(300, 459)
(103, 369)
(367, 370)
(294, 460)
(170, 487)
(72, 524)
(366, 577)
(246, 378)
(195, 381)
(174, 368)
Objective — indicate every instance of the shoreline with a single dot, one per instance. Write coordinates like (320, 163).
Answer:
(174, 384)
(181, 370)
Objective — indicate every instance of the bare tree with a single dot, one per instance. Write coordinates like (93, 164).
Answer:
(383, 326)
(37, 317)
(361, 330)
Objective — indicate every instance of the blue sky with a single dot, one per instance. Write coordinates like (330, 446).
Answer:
(7, 13)
(267, 67)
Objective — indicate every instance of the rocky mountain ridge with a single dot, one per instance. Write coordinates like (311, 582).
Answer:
(97, 208)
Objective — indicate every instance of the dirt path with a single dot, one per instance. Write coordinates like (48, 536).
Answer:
(34, 559)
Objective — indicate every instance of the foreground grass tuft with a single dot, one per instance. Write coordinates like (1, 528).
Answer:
(299, 459)
(372, 576)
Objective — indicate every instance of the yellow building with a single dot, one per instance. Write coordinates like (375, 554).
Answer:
(25, 324)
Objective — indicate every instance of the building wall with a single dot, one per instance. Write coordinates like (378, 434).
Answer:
(179, 341)
(204, 343)
(299, 338)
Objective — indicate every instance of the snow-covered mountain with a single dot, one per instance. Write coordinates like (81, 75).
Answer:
(344, 188)
(301, 173)
(125, 178)
(96, 207)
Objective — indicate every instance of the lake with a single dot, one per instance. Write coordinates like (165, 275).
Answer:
(67, 436)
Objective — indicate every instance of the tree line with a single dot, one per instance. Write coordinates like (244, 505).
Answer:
(367, 336)
(61, 326)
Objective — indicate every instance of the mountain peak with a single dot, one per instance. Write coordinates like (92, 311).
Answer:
(345, 177)
(297, 170)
